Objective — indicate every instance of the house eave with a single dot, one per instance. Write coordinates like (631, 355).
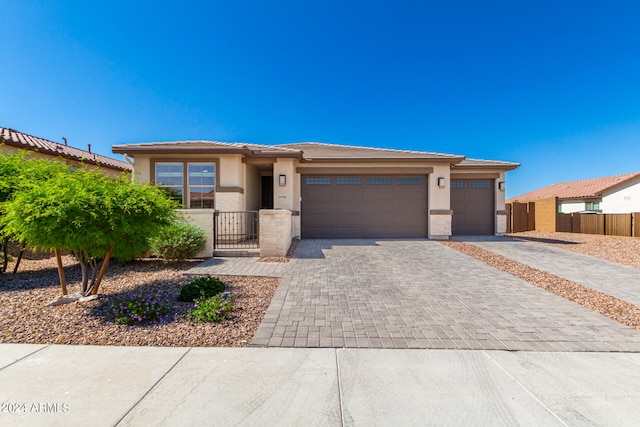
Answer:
(504, 167)
(132, 150)
(451, 161)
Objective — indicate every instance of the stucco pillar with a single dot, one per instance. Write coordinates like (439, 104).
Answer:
(287, 196)
(283, 195)
(501, 213)
(440, 204)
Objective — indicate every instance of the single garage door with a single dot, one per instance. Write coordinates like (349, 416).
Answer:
(472, 202)
(364, 206)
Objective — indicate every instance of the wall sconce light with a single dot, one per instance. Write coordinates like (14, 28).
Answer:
(441, 182)
(282, 180)
(501, 186)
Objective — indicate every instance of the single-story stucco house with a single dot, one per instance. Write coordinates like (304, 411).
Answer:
(315, 190)
(12, 142)
(609, 194)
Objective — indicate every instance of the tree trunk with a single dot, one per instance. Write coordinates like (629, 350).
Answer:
(15, 268)
(84, 268)
(105, 263)
(5, 256)
(63, 282)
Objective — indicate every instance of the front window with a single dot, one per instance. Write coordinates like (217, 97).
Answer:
(196, 190)
(201, 185)
(169, 177)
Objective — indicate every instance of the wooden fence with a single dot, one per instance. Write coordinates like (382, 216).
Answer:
(543, 216)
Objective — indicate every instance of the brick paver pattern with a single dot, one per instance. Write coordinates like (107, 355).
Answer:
(421, 294)
(239, 266)
(620, 281)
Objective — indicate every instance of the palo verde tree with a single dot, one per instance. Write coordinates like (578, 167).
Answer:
(91, 216)
(17, 172)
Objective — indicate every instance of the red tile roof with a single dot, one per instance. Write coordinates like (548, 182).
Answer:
(582, 189)
(27, 142)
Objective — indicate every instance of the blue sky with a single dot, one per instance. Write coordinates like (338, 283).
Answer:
(553, 85)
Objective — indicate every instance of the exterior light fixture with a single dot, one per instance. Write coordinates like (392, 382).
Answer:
(501, 186)
(282, 180)
(441, 182)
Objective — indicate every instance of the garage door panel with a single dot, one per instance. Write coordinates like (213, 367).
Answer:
(472, 203)
(377, 207)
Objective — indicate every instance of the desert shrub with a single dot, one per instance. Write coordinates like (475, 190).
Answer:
(137, 308)
(178, 241)
(212, 309)
(205, 286)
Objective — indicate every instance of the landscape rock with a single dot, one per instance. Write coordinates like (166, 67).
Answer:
(89, 298)
(64, 299)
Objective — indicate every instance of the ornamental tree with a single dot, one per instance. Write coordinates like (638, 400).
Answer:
(18, 173)
(91, 216)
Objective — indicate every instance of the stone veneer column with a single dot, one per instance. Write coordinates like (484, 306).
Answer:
(501, 222)
(275, 232)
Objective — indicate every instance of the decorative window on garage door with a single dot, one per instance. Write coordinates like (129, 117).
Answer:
(349, 180)
(457, 184)
(479, 184)
(318, 180)
(410, 180)
(379, 180)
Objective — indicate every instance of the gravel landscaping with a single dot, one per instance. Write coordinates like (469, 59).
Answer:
(25, 318)
(614, 308)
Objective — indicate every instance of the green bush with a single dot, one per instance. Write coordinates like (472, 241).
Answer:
(212, 309)
(138, 308)
(205, 286)
(178, 241)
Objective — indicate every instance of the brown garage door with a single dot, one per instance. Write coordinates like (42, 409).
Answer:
(364, 206)
(472, 202)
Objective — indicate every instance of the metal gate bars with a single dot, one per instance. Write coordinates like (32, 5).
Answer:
(236, 230)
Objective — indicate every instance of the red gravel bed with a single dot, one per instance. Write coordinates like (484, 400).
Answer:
(25, 318)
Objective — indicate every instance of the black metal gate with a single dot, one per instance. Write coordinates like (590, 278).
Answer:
(236, 230)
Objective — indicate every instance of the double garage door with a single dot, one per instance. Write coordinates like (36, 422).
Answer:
(389, 207)
(364, 206)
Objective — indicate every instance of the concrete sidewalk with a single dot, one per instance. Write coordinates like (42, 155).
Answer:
(147, 386)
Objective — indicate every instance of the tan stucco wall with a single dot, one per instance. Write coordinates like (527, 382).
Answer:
(231, 173)
(231, 164)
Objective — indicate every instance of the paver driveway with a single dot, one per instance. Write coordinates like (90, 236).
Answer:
(422, 294)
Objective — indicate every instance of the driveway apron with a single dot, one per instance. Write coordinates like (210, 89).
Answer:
(620, 281)
(422, 294)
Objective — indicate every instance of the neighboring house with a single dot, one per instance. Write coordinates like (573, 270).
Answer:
(12, 141)
(610, 194)
(330, 191)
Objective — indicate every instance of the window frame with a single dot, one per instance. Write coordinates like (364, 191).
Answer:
(186, 196)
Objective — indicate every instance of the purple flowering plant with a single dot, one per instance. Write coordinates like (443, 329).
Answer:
(212, 309)
(138, 308)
